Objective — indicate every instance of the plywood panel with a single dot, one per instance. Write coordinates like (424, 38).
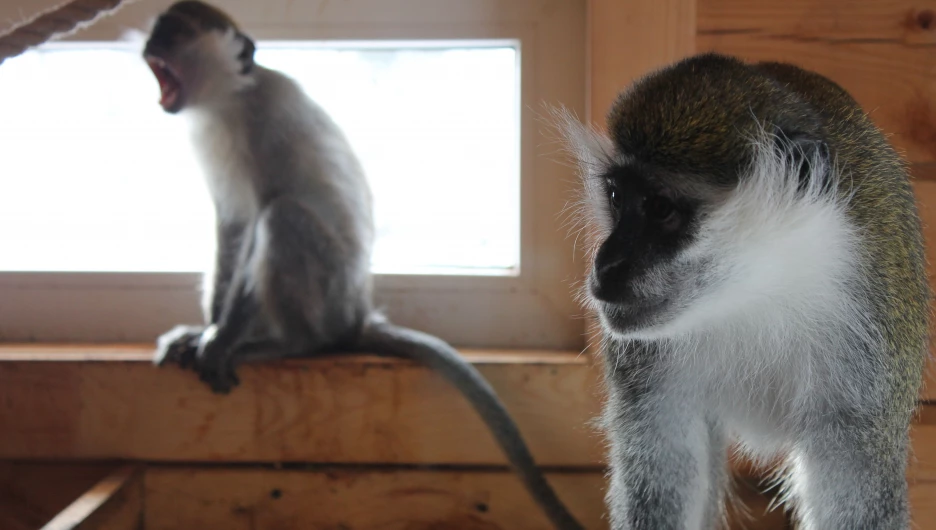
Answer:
(872, 49)
(351, 409)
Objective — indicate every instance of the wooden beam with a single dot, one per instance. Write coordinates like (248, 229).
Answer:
(114, 503)
(56, 402)
(242, 499)
(629, 39)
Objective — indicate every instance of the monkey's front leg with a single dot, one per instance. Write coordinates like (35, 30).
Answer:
(849, 473)
(667, 459)
(216, 355)
(662, 477)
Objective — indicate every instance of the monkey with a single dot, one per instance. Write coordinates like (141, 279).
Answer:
(757, 273)
(295, 228)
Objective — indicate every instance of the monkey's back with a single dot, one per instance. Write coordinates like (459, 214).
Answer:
(883, 208)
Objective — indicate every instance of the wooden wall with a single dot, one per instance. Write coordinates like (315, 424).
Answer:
(882, 51)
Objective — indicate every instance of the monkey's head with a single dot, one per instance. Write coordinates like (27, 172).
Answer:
(197, 54)
(712, 194)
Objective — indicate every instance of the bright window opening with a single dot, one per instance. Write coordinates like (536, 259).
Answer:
(98, 178)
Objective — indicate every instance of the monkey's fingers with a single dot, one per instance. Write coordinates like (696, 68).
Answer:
(221, 379)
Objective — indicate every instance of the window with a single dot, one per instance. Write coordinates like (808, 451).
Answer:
(441, 106)
(394, 103)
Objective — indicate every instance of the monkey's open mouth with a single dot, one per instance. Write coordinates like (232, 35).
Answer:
(170, 86)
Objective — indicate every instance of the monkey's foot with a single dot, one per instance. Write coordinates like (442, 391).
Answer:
(178, 345)
(221, 379)
(213, 362)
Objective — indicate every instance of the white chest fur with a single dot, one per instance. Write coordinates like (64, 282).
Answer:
(224, 154)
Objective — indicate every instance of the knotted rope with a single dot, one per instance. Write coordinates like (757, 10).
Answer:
(54, 23)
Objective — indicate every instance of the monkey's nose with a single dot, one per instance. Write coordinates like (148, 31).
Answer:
(609, 281)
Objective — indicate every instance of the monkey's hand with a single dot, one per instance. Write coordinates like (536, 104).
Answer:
(178, 345)
(213, 362)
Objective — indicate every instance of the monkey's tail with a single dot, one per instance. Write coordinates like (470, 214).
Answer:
(382, 337)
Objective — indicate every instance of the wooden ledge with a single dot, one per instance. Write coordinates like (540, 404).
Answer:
(61, 402)
(28, 352)
(109, 402)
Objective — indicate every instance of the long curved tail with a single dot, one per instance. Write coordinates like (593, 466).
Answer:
(383, 337)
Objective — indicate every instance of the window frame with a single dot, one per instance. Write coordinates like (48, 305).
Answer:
(534, 309)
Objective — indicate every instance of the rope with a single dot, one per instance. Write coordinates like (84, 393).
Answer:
(54, 23)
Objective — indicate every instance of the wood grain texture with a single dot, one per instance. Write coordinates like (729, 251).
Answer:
(349, 409)
(878, 51)
(114, 503)
(387, 500)
(903, 21)
(629, 39)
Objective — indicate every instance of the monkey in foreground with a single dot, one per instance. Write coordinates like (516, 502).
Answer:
(758, 274)
(295, 228)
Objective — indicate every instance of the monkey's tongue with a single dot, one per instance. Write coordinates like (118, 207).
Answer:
(169, 86)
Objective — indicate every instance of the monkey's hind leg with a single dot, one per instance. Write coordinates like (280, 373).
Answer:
(283, 299)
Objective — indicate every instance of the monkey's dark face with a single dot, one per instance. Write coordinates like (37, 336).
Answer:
(196, 52)
(647, 224)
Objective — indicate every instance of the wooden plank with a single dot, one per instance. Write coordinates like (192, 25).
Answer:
(891, 78)
(31, 493)
(922, 507)
(114, 503)
(629, 39)
(923, 171)
(366, 499)
(926, 198)
(839, 21)
(348, 409)
(922, 465)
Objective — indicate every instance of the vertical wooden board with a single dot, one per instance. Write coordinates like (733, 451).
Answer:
(926, 198)
(628, 39)
(247, 499)
(893, 80)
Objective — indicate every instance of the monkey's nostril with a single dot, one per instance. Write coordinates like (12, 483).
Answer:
(604, 269)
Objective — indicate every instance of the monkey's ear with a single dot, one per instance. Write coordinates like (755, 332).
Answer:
(591, 149)
(807, 155)
(246, 56)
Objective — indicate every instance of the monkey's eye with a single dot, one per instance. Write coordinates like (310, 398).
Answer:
(661, 211)
(614, 196)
